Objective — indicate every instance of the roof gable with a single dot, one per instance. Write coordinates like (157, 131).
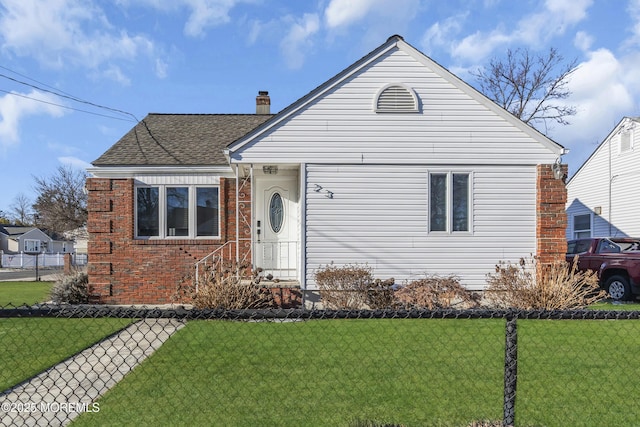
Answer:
(393, 43)
(625, 121)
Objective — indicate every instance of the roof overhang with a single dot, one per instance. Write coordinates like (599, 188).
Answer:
(132, 171)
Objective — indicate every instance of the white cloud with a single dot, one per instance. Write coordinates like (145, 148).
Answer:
(60, 33)
(583, 41)
(442, 33)
(297, 41)
(202, 14)
(341, 13)
(601, 96)
(386, 14)
(16, 106)
(533, 30)
(74, 162)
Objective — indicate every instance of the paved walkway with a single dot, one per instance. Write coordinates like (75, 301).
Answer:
(57, 396)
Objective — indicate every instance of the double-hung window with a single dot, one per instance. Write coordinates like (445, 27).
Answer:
(449, 202)
(582, 226)
(177, 211)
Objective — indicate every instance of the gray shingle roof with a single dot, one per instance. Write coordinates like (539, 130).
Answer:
(180, 139)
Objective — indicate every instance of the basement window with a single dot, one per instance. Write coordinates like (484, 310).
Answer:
(396, 98)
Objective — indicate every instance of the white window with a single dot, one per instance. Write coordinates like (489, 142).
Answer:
(449, 202)
(582, 226)
(31, 245)
(172, 211)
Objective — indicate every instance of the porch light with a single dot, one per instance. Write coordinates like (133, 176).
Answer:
(270, 169)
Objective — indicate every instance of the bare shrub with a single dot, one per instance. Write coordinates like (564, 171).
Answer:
(381, 294)
(229, 286)
(344, 287)
(433, 292)
(531, 285)
(71, 289)
(353, 287)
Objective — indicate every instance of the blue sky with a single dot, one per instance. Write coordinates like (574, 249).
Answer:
(213, 56)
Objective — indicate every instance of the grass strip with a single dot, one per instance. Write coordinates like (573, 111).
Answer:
(24, 293)
(31, 345)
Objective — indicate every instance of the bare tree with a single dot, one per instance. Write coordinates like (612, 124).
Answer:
(21, 210)
(61, 204)
(3, 218)
(529, 86)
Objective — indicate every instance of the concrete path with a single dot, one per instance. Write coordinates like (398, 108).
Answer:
(58, 395)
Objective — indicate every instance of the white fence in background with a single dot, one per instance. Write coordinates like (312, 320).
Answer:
(23, 260)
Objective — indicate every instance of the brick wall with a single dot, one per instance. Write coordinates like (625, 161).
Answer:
(123, 270)
(551, 199)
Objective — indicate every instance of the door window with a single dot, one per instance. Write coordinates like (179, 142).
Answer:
(276, 212)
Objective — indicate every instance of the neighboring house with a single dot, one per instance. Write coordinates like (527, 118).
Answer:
(602, 196)
(394, 162)
(16, 239)
(80, 239)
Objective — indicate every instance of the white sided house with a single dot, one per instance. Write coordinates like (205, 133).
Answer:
(394, 163)
(397, 163)
(602, 196)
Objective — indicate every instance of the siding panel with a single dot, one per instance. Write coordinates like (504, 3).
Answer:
(378, 215)
(342, 127)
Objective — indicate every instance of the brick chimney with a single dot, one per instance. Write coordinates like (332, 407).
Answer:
(263, 103)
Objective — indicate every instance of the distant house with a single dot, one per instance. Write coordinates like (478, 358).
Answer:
(603, 198)
(16, 239)
(393, 162)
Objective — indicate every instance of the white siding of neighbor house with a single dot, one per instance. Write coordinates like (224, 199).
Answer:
(379, 215)
(608, 180)
(341, 126)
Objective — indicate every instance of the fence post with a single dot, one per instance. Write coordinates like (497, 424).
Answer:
(510, 370)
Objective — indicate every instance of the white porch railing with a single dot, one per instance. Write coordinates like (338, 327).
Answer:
(278, 259)
(213, 261)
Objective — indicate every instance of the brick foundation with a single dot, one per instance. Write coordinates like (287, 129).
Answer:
(123, 270)
(551, 217)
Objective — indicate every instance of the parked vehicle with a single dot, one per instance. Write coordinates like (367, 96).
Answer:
(615, 259)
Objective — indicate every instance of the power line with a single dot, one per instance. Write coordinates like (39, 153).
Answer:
(65, 106)
(63, 95)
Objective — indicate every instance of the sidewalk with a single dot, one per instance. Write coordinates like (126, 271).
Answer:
(58, 395)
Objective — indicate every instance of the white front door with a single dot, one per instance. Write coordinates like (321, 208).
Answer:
(276, 227)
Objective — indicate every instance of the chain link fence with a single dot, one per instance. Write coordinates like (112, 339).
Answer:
(96, 365)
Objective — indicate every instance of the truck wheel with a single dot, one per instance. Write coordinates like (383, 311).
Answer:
(618, 288)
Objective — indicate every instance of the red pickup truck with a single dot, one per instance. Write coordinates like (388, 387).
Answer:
(615, 259)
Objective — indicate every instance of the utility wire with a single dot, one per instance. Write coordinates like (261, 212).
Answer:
(66, 106)
(70, 97)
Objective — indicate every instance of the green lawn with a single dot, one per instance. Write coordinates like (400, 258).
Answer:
(578, 373)
(315, 373)
(30, 345)
(412, 372)
(20, 293)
